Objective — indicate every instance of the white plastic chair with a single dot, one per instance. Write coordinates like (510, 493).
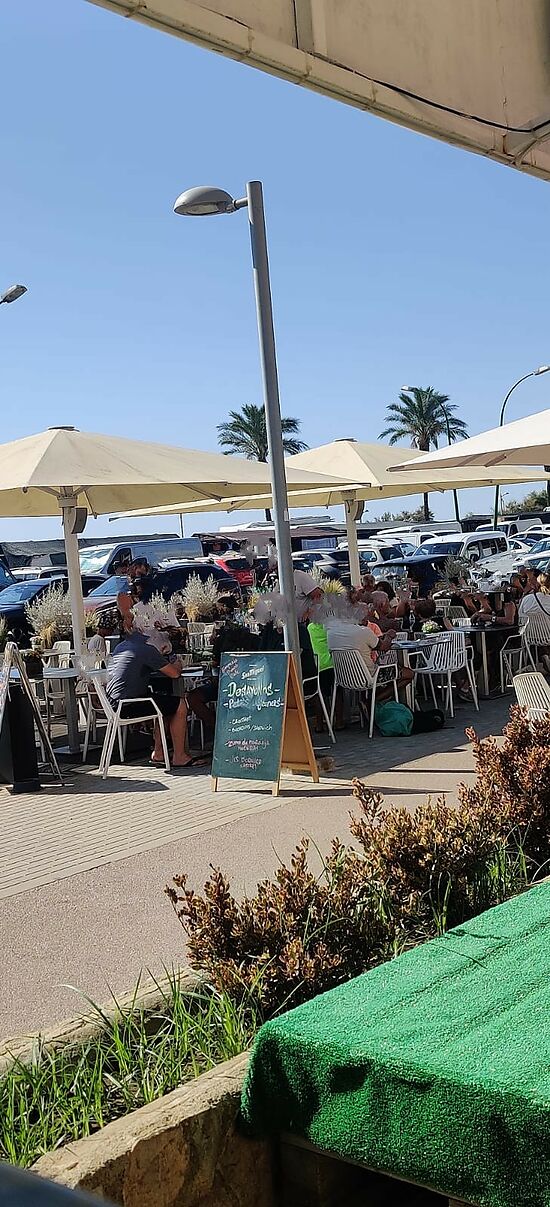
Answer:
(457, 612)
(351, 671)
(512, 651)
(312, 688)
(117, 724)
(536, 634)
(461, 622)
(59, 656)
(533, 694)
(447, 655)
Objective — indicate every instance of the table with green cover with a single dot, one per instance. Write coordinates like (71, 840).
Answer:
(434, 1067)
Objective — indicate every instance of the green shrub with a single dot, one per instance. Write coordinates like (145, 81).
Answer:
(408, 877)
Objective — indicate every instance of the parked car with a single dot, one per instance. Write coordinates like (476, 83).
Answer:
(103, 560)
(424, 571)
(472, 546)
(537, 557)
(171, 577)
(235, 565)
(14, 598)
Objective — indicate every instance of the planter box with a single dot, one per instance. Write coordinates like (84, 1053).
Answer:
(180, 1151)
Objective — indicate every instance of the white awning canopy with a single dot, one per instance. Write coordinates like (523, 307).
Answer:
(475, 73)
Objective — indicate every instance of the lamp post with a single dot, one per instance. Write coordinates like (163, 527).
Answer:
(534, 373)
(13, 293)
(206, 200)
(446, 415)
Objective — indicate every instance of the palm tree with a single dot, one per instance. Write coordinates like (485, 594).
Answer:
(422, 416)
(245, 434)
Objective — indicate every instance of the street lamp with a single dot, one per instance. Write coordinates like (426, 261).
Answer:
(13, 293)
(534, 373)
(446, 415)
(206, 200)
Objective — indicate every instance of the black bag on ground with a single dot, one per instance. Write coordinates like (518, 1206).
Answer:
(424, 722)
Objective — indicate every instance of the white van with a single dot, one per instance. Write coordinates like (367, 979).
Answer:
(472, 546)
(103, 559)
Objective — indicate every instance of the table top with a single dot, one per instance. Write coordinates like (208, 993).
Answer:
(60, 672)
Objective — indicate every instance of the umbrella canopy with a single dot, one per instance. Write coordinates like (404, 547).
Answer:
(367, 470)
(62, 469)
(109, 473)
(522, 442)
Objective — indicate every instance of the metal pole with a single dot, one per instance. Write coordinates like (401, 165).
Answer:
(501, 421)
(455, 492)
(353, 548)
(74, 573)
(264, 310)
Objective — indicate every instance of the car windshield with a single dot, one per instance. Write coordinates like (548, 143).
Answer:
(541, 546)
(434, 548)
(19, 592)
(92, 560)
(111, 586)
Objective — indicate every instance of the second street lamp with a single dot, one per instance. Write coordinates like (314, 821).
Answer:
(534, 373)
(13, 293)
(206, 200)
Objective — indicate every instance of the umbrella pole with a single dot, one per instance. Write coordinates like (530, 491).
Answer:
(351, 533)
(73, 569)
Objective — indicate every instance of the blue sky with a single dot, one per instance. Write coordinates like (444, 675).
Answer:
(394, 258)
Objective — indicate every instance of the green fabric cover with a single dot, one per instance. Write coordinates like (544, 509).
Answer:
(435, 1067)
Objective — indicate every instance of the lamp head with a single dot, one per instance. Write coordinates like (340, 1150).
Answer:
(542, 369)
(206, 199)
(13, 293)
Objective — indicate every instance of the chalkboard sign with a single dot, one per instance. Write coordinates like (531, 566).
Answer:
(260, 720)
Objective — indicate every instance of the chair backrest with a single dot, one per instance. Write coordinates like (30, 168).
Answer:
(196, 626)
(537, 631)
(533, 694)
(456, 612)
(442, 607)
(350, 670)
(446, 653)
(62, 650)
(96, 681)
(462, 622)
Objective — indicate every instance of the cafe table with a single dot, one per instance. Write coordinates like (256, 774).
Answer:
(408, 648)
(479, 633)
(67, 676)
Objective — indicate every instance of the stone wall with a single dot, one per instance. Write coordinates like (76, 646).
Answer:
(181, 1151)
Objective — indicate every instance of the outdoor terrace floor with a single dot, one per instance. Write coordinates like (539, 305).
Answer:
(83, 867)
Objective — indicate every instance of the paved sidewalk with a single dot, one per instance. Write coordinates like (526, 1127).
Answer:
(82, 868)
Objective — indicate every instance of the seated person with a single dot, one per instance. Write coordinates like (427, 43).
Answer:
(347, 635)
(537, 598)
(129, 674)
(97, 645)
(424, 611)
(229, 638)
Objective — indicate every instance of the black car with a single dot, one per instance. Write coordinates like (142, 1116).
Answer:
(167, 580)
(14, 598)
(426, 571)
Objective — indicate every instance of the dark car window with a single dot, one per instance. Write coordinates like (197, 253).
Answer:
(111, 586)
(5, 577)
(20, 592)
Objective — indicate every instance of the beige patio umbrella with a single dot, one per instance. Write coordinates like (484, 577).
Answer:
(522, 442)
(367, 470)
(69, 473)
